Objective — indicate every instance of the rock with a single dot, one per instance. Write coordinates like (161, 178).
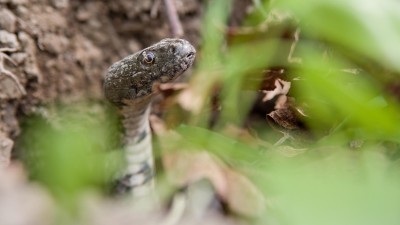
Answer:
(85, 51)
(54, 43)
(60, 4)
(9, 90)
(8, 40)
(8, 20)
(18, 2)
(30, 67)
(14, 2)
(19, 57)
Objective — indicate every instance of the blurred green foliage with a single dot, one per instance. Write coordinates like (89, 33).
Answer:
(70, 150)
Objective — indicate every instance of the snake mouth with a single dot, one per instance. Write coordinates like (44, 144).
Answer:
(188, 54)
(182, 57)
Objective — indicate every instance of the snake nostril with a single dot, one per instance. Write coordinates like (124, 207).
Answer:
(190, 55)
(174, 50)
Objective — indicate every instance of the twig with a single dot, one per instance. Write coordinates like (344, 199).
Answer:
(179, 204)
(173, 19)
(7, 49)
(291, 58)
(4, 71)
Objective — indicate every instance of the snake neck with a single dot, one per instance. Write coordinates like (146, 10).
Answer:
(138, 175)
(135, 123)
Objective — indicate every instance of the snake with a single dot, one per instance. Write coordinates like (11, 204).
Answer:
(130, 85)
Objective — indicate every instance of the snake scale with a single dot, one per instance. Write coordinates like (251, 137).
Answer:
(130, 85)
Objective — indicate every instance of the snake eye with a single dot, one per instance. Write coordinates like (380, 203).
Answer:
(148, 57)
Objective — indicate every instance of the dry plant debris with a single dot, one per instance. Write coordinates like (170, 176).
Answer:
(235, 189)
(4, 71)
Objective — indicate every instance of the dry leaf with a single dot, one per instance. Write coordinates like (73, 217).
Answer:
(239, 193)
(242, 196)
(287, 116)
(184, 168)
(281, 88)
(157, 125)
(163, 87)
(190, 102)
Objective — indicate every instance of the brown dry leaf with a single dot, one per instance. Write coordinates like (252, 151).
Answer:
(167, 87)
(281, 88)
(287, 113)
(287, 116)
(22, 203)
(184, 168)
(157, 125)
(283, 114)
(165, 103)
(169, 137)
(239, 193)
(242, 195)
(190, 101)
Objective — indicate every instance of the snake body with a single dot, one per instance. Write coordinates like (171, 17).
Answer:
(130, 85)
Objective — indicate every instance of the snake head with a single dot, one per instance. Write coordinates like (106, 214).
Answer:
(134, 77)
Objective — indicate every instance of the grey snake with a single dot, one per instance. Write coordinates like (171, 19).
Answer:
(130, 85)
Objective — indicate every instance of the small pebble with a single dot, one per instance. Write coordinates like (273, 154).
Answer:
(53, 43)
(8, 40)
(19, 57)
(7, 20)
(60, 4)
